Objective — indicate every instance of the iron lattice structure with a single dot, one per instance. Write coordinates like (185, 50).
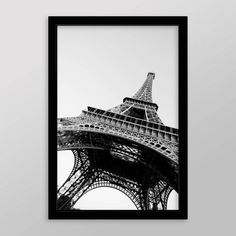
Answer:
(127, 148)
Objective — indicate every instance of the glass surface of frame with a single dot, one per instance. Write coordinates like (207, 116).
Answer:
(117, 118)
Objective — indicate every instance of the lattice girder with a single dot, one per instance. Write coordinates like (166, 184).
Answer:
(158, 195)
(158, 140)
(77, 189)
(132, 152)
(129, 188)
(145, 92)
(92, 171)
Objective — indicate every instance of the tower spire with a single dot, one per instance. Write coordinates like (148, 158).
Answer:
(140, 105)
(145, 92)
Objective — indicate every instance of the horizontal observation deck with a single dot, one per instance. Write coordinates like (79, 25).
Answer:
(134, 124)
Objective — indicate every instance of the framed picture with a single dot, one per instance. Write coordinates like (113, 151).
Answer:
(117, 117)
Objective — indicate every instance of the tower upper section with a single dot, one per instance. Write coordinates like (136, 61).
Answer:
(145, 92)
(140, 106)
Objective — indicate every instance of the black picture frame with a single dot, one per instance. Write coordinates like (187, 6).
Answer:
(53, 23)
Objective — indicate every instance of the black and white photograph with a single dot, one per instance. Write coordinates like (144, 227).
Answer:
(117, 117)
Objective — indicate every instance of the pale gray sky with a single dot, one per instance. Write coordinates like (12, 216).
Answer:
(100, 65)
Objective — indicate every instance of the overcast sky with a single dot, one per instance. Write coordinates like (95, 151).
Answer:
(100, 65)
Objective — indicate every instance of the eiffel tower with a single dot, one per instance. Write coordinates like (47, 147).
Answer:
(127, 148)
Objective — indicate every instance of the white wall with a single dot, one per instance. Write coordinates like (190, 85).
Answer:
(23, 89)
